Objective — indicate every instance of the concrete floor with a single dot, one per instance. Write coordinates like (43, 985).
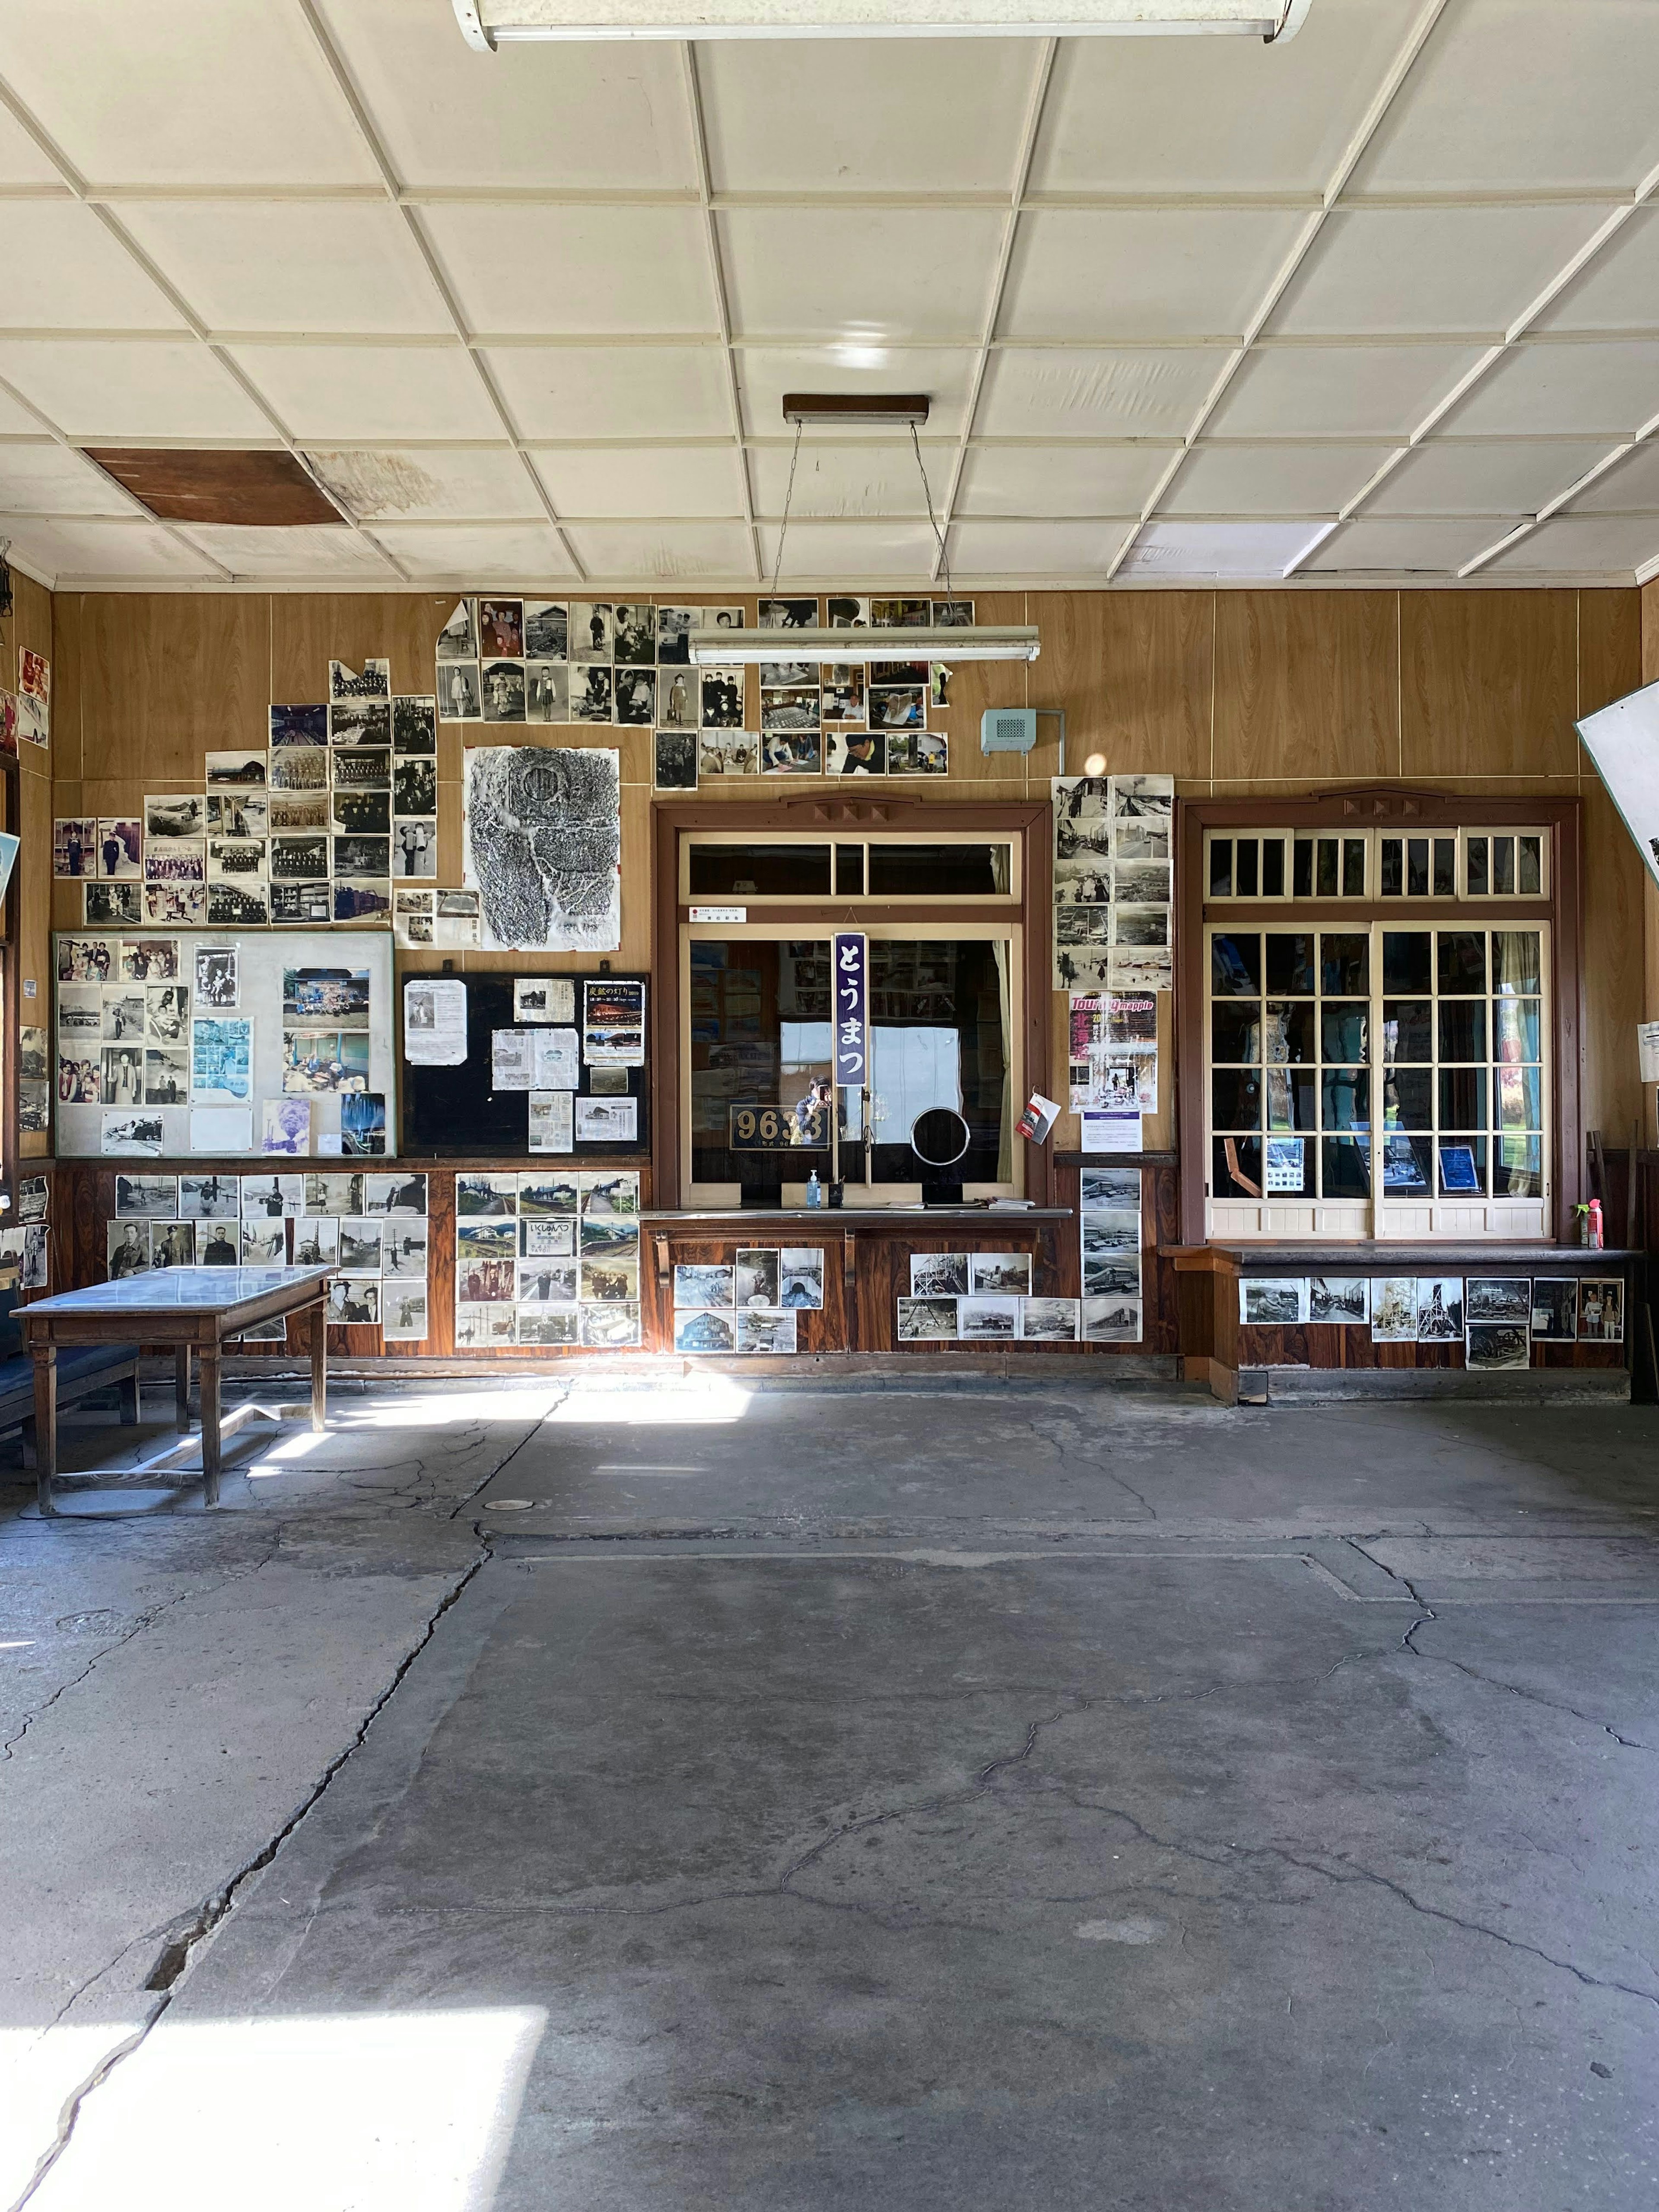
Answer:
(609, 1798)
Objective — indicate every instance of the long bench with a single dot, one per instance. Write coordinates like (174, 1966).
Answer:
(82, 1370)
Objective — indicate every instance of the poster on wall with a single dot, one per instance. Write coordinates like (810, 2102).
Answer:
(542, 842)
(1623, 740)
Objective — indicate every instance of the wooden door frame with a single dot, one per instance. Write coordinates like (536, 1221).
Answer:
(829, 812)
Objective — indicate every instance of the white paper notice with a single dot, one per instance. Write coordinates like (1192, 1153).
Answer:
(509, 1059)
(607, 1120)
(557, 1062)
(544, 999)
(434, 1021)
(1647, 1044)
(551, 1120)
(1111, 1133)
(222, 1129)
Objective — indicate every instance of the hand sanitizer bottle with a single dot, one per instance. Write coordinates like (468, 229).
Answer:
(814, 1190)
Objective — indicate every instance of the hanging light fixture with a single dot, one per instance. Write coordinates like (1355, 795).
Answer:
(487, 23)
(946, 642)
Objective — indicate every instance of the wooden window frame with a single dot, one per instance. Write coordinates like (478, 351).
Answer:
(1029, 824)
(1388, 809)
(11, 991)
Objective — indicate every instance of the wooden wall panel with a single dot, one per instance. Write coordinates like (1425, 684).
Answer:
(164, 677)
(1134, 671)
(1307, 687)
(1488, 684)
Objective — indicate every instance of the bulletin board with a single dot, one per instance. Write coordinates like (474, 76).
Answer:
(456, 1113)
(262, 956)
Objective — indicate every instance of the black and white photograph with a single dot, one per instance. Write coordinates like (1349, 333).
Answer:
(1601, 1311)
(460, 695)
(1007, 1274)
(181, 815)
(697, 1332)
(1140, 925)
(1099, 1188)
(788, 614)
(938, 1275)
(926, 1320)
(987, 1320)
(458, 638)
(235, 770)
(674, 766)
(703, 1285)
(354, 1300)
(304, 768)
(414, 726)
(548, 1325)
(126, 1250)
(590, 696)
(504, 691)
(360, 813)
(633, 635)
(1554, 1309)
(1110, 1229)
(363, 768)
(241, 814)
(119, 848)
(362, 859)
(674, 626)
(360, 722)
(415, 848)
(546, 629)
(1439, 1309)
(146, 1197)
(1111, 1320)
(501, 629)
(1497, 1297)
(415, 787)
(1491, 1344)
(722, 698)
(1342, 1300)
(800, 1277)
(173, 1244)
(372, 681)
(360, 1247)
(108, 905)
(302, 903)
(1272, 1301)
(124, 1134)
(636, 692)
(590, 632)
(846, 613)
(299, 725)
(298, 860)
(546, 691)
(677, 699)
(755, 1278)
(210, 1198)
(1048, 1321)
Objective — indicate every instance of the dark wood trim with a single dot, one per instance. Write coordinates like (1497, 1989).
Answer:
(1561, 819)
(11, 989)
(1029, 819)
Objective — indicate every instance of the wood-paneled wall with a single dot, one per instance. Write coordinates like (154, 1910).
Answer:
(30, 624)
(1245, 694)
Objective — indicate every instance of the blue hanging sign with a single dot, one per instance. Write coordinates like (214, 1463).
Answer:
(852, 965)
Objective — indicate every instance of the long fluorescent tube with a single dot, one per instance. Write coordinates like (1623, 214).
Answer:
(728, 648)
(487, 23)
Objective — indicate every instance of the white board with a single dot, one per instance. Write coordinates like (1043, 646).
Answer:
(1623, 740)
(263, 958)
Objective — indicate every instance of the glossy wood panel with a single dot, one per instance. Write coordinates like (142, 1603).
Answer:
(1489, 684)
(164, 677)
(1307, 687)
(1133, 671)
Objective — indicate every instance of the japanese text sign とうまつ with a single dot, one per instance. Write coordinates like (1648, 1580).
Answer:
(852, 968)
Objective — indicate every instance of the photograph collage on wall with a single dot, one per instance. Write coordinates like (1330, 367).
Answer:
(982, 1297)
(576, 662)
(1109, 1226)
(25, 1241)
(314, 828)
(1497, 1319)
(749, 1304)
(26, 712)
(368, 1230)
(145, 1023)
(547, 1257)
(544, 1052)
(1114, 883)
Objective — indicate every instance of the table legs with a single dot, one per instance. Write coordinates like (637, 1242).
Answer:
(46, 1422)
(318, 1368)
(181, 1386)
(207, 1360)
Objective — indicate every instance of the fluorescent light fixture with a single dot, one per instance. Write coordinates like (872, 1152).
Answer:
(731, 648)
(860, 409)
(487, 23)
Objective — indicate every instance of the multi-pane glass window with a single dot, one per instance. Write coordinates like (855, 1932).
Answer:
(1375, 864)
(1376, 1062)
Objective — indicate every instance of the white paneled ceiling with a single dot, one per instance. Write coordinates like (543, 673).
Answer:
(1380, 299)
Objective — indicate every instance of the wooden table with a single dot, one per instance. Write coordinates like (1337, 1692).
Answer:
(192, 1308)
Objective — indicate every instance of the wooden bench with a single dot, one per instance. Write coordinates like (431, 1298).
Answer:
(88, 1368)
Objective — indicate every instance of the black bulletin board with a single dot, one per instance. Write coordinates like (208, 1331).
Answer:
(455, 1113)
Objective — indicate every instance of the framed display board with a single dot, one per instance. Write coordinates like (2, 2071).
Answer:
(173, 1042)
(461, 1112)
